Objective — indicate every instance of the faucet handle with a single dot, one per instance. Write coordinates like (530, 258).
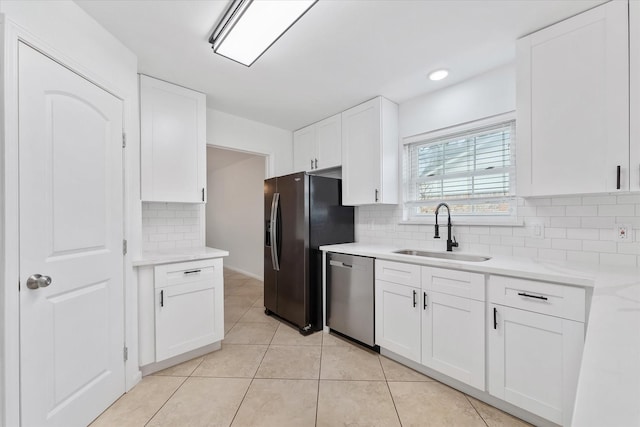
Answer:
(455, 243)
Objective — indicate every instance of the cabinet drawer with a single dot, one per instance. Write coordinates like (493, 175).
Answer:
(541, 297)
(186, 272)
(398, 272)
(454, 282)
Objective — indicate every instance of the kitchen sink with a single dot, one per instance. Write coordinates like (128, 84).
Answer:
(443, 255)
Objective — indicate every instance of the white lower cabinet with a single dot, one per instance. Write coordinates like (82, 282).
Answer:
(398, 319)
(453, 337)
(441, 331)
(181, 308)
(535, 345)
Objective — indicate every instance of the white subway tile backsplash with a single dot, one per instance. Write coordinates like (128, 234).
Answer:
(578, 229)
(599, 200)
(171, 225)
(616, 210)
(599, 246)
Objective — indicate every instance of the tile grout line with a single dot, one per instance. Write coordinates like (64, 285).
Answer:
(319, 377)
(254, 374)
(165, 402)
(475, 409)
(386, 381)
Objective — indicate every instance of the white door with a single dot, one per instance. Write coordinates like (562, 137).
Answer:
(534, 361)
(397, 320)
(71, 228)
(304, 149)
(453, 337)
(329, 142)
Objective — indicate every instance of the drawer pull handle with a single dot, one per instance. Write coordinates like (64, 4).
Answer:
(414, 298)
(192, 271)
(524, 294)
(495, 318)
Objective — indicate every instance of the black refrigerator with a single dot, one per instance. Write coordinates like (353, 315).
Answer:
(301, 213)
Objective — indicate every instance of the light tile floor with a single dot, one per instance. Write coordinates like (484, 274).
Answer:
(267, 374)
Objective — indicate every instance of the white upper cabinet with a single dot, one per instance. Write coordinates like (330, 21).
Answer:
(173, 142)
(318, 146)
(370, 153)
(573, 105)
(634, 58)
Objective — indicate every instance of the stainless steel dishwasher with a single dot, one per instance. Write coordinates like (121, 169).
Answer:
(350, 304)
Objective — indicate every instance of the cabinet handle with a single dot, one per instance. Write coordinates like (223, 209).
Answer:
(524, 294)
(618, 177)
(495, 318)
(316, 163)
(424, 300)
(192, 271)
(414, 298)
(376, 195)
(203, 194)
(161, 298)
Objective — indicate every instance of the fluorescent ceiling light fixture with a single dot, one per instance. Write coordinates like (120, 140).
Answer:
(250, 27)
(438, 75)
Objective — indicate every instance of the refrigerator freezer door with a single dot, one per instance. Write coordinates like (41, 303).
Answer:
(293, 248)
(270, 275)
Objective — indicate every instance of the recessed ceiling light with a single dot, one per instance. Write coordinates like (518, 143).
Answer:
(438, 75)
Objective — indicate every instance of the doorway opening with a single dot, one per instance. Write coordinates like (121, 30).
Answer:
(235, 208)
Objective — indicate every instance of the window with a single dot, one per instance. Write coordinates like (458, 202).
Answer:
(470, 167)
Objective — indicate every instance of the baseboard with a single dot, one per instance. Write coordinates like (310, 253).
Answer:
(159, 366)
(241, 271)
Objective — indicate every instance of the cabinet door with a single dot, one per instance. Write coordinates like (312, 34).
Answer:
(304, 149)
(453, 337)
(573, 105)
(398, 319)
(361, 135)
(329, 142)
(634, 112)
(172, 142)
(534, 361)
(188, 316)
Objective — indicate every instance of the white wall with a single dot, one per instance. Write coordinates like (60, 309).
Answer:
(579, 229)
(229, 131)
(485, 95)
(235, 212)
(71, 36)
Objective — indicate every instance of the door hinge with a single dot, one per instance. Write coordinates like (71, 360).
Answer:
(124, 140)
(124, 247)
(125, 353)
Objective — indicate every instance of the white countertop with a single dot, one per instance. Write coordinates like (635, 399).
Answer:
(609, 383)
(165, 256)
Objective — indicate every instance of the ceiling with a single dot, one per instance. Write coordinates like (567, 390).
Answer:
(341, 53)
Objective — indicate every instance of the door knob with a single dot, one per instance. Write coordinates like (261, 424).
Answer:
(36, 281)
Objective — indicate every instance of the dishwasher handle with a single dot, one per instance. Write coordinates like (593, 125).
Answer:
(339, 264)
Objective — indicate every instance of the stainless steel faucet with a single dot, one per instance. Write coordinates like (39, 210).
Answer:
(450, 243)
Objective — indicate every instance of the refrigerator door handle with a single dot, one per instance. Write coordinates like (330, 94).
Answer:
(275, 202)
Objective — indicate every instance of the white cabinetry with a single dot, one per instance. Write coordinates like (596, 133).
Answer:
(573, 105)
(535, 345)
(397, 312)
(318, 146)
(172, 142)
(370, 153)
(429, 315)
(453, 324)
(634, 66)
(181, 308)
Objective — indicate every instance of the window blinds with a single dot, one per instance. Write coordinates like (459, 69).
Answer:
(475, 165)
